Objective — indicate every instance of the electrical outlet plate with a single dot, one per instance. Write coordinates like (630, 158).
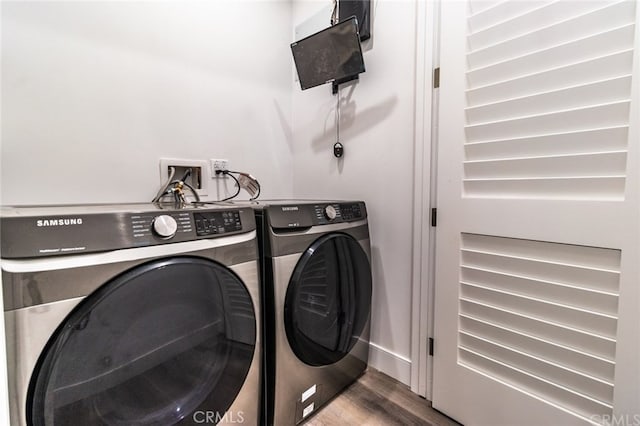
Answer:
(200, 181)
(218, 164)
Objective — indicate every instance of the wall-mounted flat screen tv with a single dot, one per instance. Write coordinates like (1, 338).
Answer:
(331, 55)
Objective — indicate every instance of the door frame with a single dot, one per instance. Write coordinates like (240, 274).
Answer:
(424, 193)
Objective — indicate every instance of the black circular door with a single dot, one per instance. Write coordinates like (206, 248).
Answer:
(151, 347)
(328, 299)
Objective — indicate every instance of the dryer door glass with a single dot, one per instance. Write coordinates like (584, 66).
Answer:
(328, 299)
(155, 346)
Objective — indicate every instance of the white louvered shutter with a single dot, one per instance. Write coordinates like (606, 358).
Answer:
(537, 281)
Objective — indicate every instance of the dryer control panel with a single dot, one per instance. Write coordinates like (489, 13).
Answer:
(313, 214)
(337, 213)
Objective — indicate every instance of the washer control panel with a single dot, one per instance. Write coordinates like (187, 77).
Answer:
(165, 226)
(65, 230)
(214, 223)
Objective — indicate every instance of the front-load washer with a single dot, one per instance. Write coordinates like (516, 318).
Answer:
(317, 292)
(131, 315)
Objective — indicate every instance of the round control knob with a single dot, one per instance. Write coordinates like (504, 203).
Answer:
(165, 226)
(330, 212)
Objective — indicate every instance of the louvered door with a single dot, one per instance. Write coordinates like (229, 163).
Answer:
(537, 316)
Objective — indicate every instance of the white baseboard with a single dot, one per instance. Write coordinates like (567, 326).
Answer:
(390, 363)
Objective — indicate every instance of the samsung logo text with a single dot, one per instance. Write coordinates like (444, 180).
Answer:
(59, 222)
(290, 209)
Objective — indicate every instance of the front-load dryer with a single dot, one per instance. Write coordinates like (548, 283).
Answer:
(131, 315)
(317, 293)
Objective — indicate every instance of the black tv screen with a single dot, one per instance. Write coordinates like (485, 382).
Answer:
(331, 55)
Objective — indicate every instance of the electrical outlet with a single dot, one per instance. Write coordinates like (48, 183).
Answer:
(218, 165)
(198, 176)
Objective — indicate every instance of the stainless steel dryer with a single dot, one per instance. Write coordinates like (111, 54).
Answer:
(317, 294)
(131, 315)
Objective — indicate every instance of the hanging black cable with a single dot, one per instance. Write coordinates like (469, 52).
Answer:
(248, 183)
(228, 173)
(243, 181)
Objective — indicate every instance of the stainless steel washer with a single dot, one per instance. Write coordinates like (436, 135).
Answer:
(317, 294)
(131, 314)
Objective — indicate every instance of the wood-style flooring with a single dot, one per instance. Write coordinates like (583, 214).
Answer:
(375, 400)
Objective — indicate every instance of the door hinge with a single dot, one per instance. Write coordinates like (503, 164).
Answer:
(430, 346)
(436, 78)
(434, 216)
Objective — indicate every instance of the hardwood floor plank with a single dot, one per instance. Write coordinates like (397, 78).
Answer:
(376, 399)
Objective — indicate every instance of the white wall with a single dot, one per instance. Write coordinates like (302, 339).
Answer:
(377, 131)
(94, 93)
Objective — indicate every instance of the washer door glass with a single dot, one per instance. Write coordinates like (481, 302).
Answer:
(328, 299)
(151, 347)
